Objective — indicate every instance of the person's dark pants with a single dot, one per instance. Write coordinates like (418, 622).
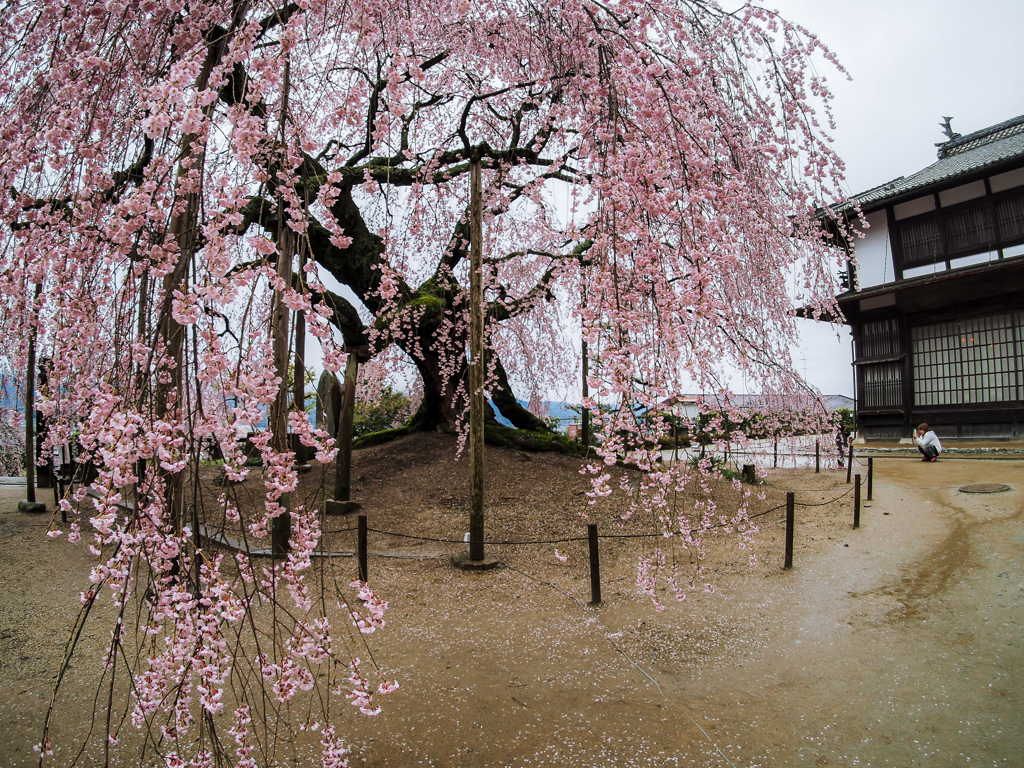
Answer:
(928, 451)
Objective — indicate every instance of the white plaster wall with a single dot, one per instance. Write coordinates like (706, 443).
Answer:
(874, 254)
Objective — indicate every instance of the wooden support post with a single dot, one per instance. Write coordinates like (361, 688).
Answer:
(299, 375)
(362, 548)
(585, 415)
(281, 526)
(476, 367)
(849, 463)
(856, 501)
(871, 476)
(790, 525)
(749, 473)
(775, 460)
(343, 462)
(595, 565)
(30, 419)
(817, 456)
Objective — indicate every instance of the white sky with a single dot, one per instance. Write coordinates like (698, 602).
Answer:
(912, 62)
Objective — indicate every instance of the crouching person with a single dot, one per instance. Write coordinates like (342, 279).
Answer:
(927, 443)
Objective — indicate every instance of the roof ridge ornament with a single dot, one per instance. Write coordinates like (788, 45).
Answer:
(947, 129)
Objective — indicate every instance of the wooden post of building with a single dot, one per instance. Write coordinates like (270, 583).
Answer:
(856, 501)
(476, 367)
(849, 463)
(871, 475)
(817, 456)
(595, 565)
(790, 525)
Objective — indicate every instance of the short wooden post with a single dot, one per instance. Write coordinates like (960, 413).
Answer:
(871, 475)
(817, 456)
(849, 463)
(749, 474)
(856, 501)
(361, 535)
(595, 565)
(790, 525)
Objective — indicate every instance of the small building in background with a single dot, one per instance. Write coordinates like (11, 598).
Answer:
(937, 314)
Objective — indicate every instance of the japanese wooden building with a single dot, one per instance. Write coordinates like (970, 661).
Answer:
(938, 313)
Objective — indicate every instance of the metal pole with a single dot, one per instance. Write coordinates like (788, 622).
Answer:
(790, 525)
(476, 367)
(871, 475)
(595, 565)
(849, 463)
(817, 456)
(361, 534)
(856, 501)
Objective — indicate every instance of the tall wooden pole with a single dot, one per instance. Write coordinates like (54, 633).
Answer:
(30, 416)
(476, 367)
(299, 381)
(585, 414)
(585, 437)
(282, 526)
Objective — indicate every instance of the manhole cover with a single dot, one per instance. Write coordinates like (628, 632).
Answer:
(985, 488)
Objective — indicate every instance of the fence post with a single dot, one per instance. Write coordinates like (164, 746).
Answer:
(856, 501)
(871, 475)
(362, 549)
(817, 457)
(595, 565)
(775, 454)
(849, 463)
(790, 524)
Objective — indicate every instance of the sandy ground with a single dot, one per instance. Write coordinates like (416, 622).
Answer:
(896, 644)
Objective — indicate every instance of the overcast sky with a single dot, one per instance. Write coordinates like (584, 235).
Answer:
(911, 62)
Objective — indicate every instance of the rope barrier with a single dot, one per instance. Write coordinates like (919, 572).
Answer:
(568, 539)
(822, 504)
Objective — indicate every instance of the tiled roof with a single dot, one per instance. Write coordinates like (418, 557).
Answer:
(962, 155)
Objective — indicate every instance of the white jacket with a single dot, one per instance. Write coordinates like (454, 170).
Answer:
(930, 438)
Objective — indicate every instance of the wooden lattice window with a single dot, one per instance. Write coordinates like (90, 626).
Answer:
(879, 338)
(969, 228)
(978, 360)
(1011, 217)
(921, 241)
(883, 385)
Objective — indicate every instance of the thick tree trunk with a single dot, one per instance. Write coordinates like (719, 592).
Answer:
(442, 405)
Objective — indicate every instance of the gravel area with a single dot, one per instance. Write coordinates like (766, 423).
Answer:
(867, 652)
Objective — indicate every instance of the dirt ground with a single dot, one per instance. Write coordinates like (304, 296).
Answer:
(895, 644)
